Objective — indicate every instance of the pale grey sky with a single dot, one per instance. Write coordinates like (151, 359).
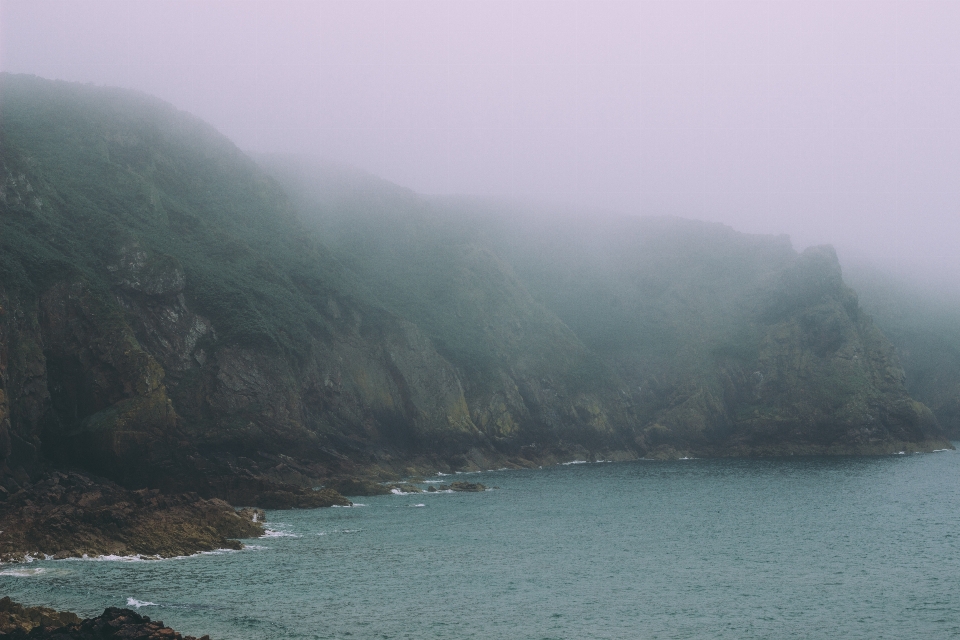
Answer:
(835, 121)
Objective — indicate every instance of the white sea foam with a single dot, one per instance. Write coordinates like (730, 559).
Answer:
(116, 558)
(901, 453)
(418, 505)
(574, 462)
(398, 492)
(350, 530)
(432, 481)
(145, 558)
(133, 602)
(254, 547)
(348, 506)
(442, 474)
(274, 533)
(23, 573)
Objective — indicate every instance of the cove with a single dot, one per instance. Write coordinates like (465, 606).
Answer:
(854, 547)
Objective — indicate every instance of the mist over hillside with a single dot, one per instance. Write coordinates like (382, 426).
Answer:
(176, 317)
(266, 256)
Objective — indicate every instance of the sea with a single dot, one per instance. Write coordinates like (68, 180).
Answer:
(823, 547)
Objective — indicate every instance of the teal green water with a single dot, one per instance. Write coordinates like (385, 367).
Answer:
(804, 548)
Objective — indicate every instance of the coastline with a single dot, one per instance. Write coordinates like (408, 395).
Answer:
(434, 478)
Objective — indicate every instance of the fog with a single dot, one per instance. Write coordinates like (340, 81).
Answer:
(831, 121)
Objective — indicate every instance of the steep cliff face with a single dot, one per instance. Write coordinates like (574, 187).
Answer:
(167, 320)
(818, 378)
(922, 320)
(712, 342)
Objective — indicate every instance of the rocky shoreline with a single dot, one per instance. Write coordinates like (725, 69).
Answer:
(69, 515)
(18, 621)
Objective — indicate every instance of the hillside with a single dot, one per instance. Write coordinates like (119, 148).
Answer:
(171, 316)
(719, 343)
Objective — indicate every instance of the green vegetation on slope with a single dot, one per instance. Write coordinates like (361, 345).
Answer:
(87, 171)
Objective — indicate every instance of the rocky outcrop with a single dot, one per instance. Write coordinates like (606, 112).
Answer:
(67, 515)
(467, 487)
(17, 621)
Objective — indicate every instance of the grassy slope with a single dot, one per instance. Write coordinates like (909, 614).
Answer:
(108, 167)
(440, 272)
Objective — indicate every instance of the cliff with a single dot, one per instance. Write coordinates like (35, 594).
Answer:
(172, 317)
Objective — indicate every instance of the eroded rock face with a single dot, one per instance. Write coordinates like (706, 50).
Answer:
(136, 269)
(820, 379)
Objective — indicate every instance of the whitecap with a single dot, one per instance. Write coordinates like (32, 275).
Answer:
(254, 547)
(399, 492)
(133, 602)
(418, 505)
(574, 462)
(273, 533)
(23, 573)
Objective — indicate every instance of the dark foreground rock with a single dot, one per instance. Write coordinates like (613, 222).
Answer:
(17, 621)
(70, 515)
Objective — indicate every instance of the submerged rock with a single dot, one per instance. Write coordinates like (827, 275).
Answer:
(467, 486)
(474, 487)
